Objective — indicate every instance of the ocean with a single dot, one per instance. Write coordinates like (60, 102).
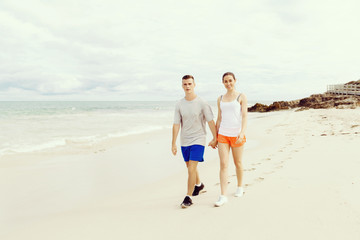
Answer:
(36, 126)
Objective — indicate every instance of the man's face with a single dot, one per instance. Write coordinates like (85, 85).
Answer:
(188, 85)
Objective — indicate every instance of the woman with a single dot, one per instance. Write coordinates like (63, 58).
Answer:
(231, 126)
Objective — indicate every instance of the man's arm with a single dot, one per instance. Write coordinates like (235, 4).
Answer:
(175, 132)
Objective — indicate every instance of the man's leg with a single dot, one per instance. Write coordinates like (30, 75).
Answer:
(197, 177)
(197, 174)
(192, 176)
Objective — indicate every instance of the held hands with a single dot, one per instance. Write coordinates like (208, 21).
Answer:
(213, 143)
(240, 138)
(174, 149)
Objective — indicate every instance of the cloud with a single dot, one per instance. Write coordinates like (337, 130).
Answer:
(126, 50)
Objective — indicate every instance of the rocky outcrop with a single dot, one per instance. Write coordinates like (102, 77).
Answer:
(328, 101)
(353, 82)
(315, 101)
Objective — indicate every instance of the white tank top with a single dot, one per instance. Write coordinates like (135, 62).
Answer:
(230, 124)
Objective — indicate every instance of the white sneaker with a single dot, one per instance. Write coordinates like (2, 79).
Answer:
(221, 201)
(239, 192)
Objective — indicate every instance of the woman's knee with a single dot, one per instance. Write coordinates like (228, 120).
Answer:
(223, 165)
(238, 164)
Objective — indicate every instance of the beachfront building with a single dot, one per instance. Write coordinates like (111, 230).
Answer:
(350, 88)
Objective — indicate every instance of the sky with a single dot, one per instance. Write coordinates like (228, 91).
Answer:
(120, 50)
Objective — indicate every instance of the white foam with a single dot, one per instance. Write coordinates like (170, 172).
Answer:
(138, 131)
(32, 148)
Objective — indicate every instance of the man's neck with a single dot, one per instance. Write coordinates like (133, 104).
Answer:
(190, 96)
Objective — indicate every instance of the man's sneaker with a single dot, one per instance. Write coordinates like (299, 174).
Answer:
(239, 192)
(187, 202)
(198, 189)
(221, 201)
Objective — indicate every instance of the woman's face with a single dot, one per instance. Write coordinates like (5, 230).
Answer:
(229, 82)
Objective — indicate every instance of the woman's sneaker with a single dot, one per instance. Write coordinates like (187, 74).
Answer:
(198, 189)
(187, 202)
(239, 192)
(221, 201)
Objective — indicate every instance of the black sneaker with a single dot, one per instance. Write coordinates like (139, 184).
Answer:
(198, 189)
(187, 202)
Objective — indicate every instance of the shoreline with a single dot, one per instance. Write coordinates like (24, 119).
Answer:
(294, 183)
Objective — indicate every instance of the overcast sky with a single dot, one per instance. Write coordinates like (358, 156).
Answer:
(139, 50)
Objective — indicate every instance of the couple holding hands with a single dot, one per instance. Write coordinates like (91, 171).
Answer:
(191, 115)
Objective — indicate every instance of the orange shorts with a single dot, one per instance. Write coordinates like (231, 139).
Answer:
(230, 140)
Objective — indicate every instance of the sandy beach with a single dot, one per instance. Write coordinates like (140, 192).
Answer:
(301, 182)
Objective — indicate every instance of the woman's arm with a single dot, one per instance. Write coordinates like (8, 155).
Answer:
(244, 113)
(218, 120)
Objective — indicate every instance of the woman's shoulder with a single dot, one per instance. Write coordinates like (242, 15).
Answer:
(241, 97)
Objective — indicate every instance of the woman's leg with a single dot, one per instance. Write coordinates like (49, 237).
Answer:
(237, 155)
(224, 149)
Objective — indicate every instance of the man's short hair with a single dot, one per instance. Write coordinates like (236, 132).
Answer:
(188, 77)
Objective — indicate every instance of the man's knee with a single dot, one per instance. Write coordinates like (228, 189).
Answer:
(192, 166)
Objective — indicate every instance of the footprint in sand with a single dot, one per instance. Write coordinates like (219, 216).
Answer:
(100, 150)
(249, 169)
(217, 184)
(255, 164)
(259, 179)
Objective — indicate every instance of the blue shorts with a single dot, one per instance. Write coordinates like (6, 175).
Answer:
(193, 152)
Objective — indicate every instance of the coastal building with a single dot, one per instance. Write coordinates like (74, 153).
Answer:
(350, 88)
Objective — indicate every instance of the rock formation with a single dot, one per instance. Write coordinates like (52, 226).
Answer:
(315, 101)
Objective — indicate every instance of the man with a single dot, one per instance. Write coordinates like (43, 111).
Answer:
(192, 113)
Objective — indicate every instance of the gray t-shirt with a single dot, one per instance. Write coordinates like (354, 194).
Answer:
(192, 116)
